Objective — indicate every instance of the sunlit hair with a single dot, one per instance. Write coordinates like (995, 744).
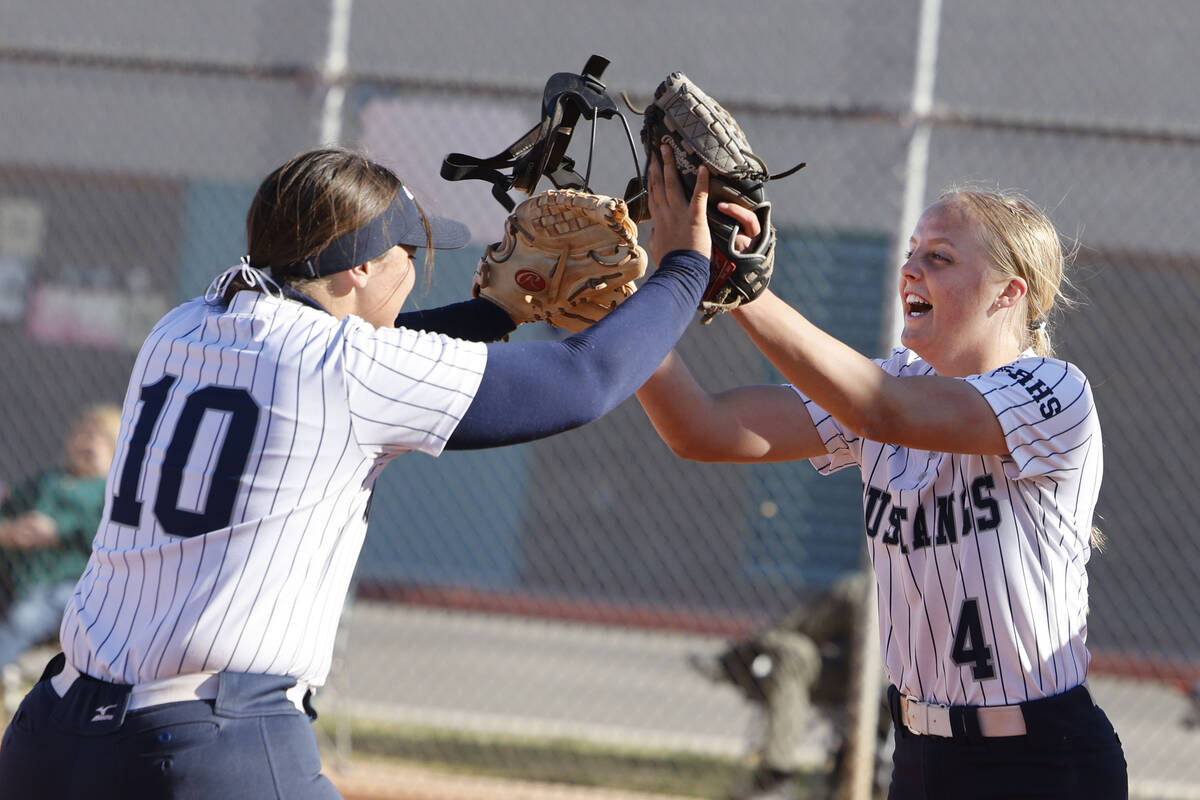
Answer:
(307, 203)
(1022, 242)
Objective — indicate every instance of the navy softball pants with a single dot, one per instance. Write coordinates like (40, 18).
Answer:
(1070, 752)
(250, 743)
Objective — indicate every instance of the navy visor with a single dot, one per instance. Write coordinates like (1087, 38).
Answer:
(400, 223)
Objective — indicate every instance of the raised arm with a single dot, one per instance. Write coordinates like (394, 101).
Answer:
(534, 389)
(746, 424)
(923, 412)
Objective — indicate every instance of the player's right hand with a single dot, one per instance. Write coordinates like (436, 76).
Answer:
(748, 221)
(678, 223)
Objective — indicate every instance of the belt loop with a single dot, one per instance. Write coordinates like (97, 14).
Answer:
(964, 723)
(252, 694)
(894, 708)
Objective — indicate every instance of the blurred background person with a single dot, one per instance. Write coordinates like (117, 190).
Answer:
(46, 533)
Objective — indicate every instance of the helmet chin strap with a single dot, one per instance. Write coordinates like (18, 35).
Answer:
(542, 151)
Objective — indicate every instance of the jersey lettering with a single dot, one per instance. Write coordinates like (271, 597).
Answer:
(1021, 376)
(217, 509)
(920, 529)
(979, 512)
(946, 529)
(876, 498)
(969, 645)
(1038, 390)
(895, 519)
(966, 514)
(985, 503)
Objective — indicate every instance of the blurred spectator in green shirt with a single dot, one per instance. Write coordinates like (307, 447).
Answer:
(46, 528)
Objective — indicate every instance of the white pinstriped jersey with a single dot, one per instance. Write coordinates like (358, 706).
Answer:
(251, 439)
(980, 560)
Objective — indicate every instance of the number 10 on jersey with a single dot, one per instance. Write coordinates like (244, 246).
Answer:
(226, 472)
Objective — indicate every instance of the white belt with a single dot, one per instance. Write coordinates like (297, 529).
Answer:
(176, 689)
(933, 719)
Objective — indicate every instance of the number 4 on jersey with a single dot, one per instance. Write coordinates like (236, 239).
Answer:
(969, 646)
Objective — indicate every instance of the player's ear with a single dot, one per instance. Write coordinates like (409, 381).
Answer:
(358, 276)
(1014, 290)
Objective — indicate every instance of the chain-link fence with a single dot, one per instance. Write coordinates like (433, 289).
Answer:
(133, 134)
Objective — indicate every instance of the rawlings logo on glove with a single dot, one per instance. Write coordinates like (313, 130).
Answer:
(568, 257)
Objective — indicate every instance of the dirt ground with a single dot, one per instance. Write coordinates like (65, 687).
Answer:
(374, 781)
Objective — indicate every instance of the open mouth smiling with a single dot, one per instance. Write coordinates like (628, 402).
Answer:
(915, 305)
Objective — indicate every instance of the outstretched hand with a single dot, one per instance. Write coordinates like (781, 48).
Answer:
(679, 223)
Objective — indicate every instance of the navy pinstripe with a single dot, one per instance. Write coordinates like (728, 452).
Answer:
(130, 625)
(1029, 547)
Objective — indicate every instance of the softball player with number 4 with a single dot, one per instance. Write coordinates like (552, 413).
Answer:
(256, 423)
(981, 462)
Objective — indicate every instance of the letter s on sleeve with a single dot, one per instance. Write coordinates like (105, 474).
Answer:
(1050, 408)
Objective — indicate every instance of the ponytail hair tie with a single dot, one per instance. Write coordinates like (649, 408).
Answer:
(251, 276)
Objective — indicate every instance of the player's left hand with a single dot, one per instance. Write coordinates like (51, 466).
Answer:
(680, 222)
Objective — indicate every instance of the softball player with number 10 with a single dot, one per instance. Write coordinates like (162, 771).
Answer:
(256, 423)
(981, 462)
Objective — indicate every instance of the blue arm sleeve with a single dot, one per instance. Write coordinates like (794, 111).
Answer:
(534, 389)
(477, 320)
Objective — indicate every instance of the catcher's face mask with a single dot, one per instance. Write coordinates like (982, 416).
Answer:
(542, 151)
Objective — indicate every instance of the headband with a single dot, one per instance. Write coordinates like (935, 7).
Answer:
(399, 224)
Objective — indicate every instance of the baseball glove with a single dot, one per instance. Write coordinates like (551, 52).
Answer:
(701, 132)
(568, 258)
